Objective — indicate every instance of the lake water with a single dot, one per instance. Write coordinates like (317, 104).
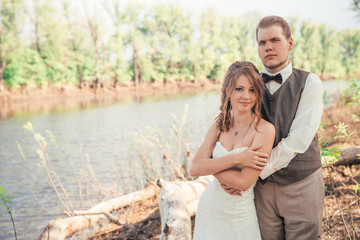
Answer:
(96, 146)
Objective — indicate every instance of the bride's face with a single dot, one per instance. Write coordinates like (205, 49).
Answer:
(243, 96)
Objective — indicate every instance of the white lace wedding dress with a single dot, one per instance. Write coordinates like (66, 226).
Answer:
(223, 216)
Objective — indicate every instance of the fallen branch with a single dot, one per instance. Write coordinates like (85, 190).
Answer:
(111, 217)
(337, 212)
(177, 203)
(60, 228)
(348, 156)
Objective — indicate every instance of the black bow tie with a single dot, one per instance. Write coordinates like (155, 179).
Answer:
(277, 78)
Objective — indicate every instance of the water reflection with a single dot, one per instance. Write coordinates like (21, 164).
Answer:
(73, 104)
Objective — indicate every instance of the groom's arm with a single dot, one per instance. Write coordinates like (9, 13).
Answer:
(231, 190)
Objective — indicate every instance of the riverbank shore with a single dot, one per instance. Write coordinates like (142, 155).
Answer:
(34, 99)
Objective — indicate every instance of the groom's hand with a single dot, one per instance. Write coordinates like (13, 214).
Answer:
(230, 190)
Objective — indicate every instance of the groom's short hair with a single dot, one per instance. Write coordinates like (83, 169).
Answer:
(274, 20)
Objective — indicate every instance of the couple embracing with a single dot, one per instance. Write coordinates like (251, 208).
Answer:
(263, 146)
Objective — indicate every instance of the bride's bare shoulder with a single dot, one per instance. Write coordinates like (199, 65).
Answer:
(213, 131)
(266, 127)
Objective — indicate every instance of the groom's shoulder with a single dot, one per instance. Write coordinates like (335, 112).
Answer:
(310, 77)
(301, 71)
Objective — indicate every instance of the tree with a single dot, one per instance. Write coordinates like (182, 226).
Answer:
(96, 30)
(9, 10)
(239, 39)
(134, 22)
(50, 41)
(329, 52)
(355, 6)
(76, 44)
(117, 41)
(210, 43)
(308, 47)
(168, 32)
(350, 50)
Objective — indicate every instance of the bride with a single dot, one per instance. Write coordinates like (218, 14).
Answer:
(235, 150)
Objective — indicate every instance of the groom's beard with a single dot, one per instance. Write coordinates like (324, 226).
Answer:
(277, 65)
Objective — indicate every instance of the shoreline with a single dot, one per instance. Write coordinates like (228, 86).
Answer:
(31, 100)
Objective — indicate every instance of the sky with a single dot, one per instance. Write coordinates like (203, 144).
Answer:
(334, 13)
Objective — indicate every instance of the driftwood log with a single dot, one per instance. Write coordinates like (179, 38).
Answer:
(60, 228)
(177, 203)
(349, 156)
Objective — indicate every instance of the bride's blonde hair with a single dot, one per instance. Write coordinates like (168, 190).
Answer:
(235, 70)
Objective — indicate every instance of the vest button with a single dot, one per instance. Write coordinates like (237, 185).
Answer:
(271, 114)
(271, 99)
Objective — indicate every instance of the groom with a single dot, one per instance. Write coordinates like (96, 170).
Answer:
(290, 193)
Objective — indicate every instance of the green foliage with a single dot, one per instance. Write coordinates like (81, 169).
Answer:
(350, 50)
(157, 43)
(328, 54)
(329, 155)
(5, 199)
(355, 6)
(355, 89)
(342, 131)
(356, 188)
(26, 67)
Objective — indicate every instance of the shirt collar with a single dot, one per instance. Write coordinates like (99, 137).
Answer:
(285, 72)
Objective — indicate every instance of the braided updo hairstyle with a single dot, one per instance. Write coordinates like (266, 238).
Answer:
(235, 70)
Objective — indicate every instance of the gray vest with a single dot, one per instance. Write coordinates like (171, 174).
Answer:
(280, 109)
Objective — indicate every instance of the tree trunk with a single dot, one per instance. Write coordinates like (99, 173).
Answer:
(136, 73)
(349, 156)
(78, 67)
(2, 85)
(93, 29)
(60, 228)
(2, 68)
(81, 79)
(177, 203)
(195, 76)
(116, 81)
(37, 38)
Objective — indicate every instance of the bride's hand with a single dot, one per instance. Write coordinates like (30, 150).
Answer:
(230, 190)
(254, 159)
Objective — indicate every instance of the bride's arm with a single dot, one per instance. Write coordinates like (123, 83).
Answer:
(244, 179)
(203, 164)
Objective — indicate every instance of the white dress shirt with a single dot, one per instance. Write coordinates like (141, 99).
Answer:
(304, 125)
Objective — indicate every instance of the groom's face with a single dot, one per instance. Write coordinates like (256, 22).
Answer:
(274, 48)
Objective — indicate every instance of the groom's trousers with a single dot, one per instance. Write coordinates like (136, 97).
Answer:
(291, 212)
